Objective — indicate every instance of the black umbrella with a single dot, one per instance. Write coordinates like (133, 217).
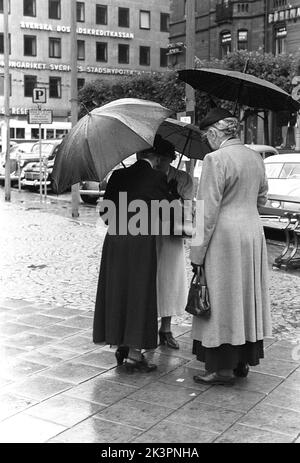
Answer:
(185, 137)
(242, 88)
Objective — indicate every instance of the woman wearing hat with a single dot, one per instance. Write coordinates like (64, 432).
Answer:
(233, 185)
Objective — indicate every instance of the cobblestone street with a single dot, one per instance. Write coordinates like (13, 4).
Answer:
(57, 386)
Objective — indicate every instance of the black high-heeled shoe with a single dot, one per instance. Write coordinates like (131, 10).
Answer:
(166, 337)
(242, 370)
(121, 354)
(141, 365)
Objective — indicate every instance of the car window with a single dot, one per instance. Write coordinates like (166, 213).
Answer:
(46, 148)
(273, 169)
(290, 170)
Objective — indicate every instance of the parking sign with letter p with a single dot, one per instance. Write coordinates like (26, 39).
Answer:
(39, 95)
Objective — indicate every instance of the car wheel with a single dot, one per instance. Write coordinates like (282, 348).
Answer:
(89, 199)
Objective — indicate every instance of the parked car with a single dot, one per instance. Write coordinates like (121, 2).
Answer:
(283, 172)
(265, 150)
(31, 172)
(91, 192)
(20, 153)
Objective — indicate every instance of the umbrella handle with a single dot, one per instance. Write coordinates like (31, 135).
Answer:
(179, 162)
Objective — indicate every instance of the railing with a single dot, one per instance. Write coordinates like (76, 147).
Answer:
(288, 221)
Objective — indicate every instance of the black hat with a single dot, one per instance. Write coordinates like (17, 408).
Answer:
(214, 115)
(164, 147)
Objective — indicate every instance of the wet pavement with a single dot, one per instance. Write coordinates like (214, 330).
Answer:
(57, 386)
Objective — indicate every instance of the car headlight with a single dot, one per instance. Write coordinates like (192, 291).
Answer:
(275, 204)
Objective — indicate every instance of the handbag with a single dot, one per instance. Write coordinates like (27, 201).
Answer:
(198, 299)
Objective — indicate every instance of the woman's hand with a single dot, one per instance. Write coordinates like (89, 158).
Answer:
(195, 267)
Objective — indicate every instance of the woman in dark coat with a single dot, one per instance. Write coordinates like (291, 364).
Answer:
(126, 302)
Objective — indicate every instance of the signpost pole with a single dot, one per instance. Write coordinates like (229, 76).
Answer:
(6, 100)
(74, 108)
(40, 151)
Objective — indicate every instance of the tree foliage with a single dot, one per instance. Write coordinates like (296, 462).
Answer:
(168, 90)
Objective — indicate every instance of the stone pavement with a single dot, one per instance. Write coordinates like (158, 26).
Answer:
(57, 386)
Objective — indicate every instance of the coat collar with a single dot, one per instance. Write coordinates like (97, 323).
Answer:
(232, 141)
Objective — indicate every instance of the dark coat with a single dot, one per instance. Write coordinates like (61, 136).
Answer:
(126, 302)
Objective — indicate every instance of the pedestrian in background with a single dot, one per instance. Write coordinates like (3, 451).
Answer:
(233, 184)
(172, 286)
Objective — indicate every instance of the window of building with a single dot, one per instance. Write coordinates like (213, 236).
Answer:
(54, 87)
(2, 43)
(225, 43)
(29, 84)
(242, 43)
(163, 57)
(29, 7)
(144, 19)
(54, 47)
(35, 134)
(280, 34)
(123, 17)
(80, 49)
(164, 22)
(123, 54)
(80, 12)
(2, 84)
(279, 3)
(80, 83)
(50, 134)
(54, 9)
(101, 51)
(2, 6)
(243, 7)
(29, 45)
(60, 133)
(145, 56)
(101, 14)
(17, 132)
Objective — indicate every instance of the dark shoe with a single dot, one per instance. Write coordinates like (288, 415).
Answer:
(166, 337)
(140, 365)
(213, 379)
(121, 354)
(242, 370)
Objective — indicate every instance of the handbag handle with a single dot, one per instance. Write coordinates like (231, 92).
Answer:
(199, 276)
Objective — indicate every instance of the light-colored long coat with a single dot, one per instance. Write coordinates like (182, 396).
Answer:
(172, 286)
(233, 184)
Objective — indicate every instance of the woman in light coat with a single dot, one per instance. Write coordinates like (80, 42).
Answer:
(172, 286)
(233, 185)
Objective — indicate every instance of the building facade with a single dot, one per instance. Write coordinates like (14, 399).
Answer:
(223, 26)
(114, 38)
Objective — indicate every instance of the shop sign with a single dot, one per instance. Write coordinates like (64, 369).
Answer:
(40, 116)
(67, 68)
(284, 15)
(175, 48)
(79, 30)
(16, 111)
